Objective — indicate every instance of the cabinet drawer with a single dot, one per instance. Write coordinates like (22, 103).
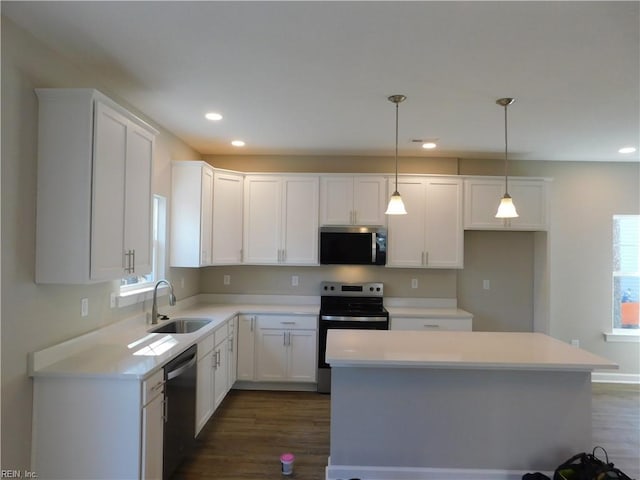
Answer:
(303, 322)
(431, 324)
(205, 346)
(221, 333)
(152, 387)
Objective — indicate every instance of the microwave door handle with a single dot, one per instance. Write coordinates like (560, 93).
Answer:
(373, 247)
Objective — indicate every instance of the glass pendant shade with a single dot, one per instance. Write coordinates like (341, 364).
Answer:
(506, 209)
(396, 205)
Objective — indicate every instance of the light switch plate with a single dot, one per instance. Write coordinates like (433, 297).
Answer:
(84, 307)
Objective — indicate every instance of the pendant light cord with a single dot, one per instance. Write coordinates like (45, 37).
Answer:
(506, 155)
(396, 191)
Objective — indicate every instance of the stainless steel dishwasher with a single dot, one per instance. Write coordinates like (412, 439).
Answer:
(180, 410)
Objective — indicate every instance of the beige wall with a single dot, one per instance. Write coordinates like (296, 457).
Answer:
(37, 316)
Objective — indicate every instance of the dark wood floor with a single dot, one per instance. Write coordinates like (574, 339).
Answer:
(250, 430)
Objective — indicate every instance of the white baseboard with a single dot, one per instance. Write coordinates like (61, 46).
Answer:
(606, 377)
(339, 472)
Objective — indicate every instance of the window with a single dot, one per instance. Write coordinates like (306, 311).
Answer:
(626, 271)
(134, 283)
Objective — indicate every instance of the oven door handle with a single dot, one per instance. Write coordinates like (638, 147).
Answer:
(352, 319)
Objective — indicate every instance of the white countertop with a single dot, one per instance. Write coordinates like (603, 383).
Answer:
(126, 349)
(469, 350)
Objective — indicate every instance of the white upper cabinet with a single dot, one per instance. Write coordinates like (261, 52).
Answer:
(191, 214)
(281, 219)
(483, 194)
(431, 234)
(227, 217)
(353, 200)
(94, 199)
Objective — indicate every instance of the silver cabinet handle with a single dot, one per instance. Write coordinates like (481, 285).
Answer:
(288, 323)
(284, 338)
(427, 325)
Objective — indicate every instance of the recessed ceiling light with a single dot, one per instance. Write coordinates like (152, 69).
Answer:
(429, 145)
(627, 150)
(213, 116)
(238, 143)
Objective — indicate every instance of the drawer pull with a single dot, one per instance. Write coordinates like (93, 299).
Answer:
(288, 323)
(427, 325)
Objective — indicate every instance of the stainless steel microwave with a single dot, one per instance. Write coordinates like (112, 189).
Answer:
(352, 245)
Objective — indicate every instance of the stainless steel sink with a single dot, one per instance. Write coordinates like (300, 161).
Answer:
(181, 325)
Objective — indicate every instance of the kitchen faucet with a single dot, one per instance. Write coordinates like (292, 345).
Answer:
(154, 308)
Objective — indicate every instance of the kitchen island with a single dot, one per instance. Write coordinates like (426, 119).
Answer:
(456, 405)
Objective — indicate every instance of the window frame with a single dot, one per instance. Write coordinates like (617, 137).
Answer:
(619, 333)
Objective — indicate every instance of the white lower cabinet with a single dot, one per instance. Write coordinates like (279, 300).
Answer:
(431, 324)
(220, 366)
(216, 365)
(286, 348)
(246, 347)
(152, 426)
(97, 427)
(233, 351)
(204, 382)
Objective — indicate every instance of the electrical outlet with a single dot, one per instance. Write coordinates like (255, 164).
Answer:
(226, 279)
(575, 342)
(294, 280)
(414, 283)
(84, 307)
(486, 285)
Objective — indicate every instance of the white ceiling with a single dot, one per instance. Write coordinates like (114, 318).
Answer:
(312, 78)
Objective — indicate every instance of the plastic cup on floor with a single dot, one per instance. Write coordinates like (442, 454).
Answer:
(286, 459)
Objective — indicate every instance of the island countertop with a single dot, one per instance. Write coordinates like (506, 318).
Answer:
(447, 349)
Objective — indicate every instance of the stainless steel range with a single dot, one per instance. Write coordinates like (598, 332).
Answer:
(347, 306)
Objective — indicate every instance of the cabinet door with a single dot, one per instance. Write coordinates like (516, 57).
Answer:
(262, 220)
(336, 197)
(138, 199)
(221, 380)
(302, 358)
(271, 355)
(246, 347)
(406, 233)
(300, 221)
(206, 216)
(233, 351)
(227, 218)
(530, 198)
(444, 232)
(205, 390)
(369, 200)
(153, 426)
(108, 196)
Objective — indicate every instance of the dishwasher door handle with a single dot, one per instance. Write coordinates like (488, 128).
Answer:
(182, 368)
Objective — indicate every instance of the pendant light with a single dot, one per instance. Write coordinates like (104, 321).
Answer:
(506, 209)
(396, 205)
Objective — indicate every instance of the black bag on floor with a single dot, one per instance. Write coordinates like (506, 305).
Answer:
(586, 466)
